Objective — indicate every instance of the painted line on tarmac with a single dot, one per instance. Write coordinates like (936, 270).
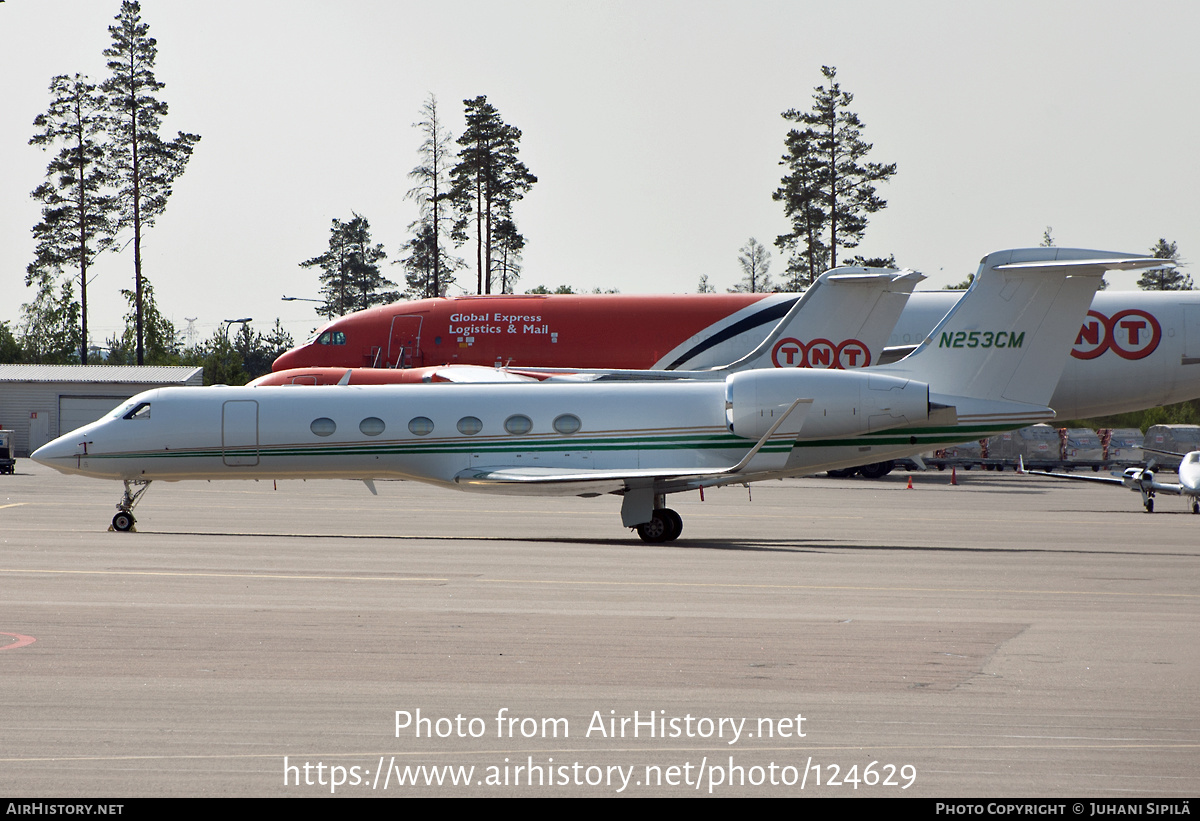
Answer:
(595, 583)
(1017, 591)
(278, 576)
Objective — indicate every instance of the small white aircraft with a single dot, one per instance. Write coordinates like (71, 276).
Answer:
(1141, 480)
(990, 365)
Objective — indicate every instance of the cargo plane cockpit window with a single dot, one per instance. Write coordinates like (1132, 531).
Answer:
(332, 338)
(139, 411)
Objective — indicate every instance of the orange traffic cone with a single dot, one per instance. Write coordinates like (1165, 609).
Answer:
(909, 483)
(953, 475)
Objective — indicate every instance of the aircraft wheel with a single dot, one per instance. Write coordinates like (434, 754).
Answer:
(674, 523)
(654, 531)
(123, 522)
(1195, 506)
(877, 470)
(1149, 505)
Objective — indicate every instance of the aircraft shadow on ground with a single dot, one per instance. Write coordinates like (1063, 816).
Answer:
(684, 543)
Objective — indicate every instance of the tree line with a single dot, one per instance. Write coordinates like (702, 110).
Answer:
(829, 191)
(112, 174)
(464, 198)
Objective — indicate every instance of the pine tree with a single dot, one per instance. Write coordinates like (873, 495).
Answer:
(829, 189)
(756, 262)
(487, 181)
(77, 211)
(145, 166)
(431, 193)
(50, 331)
(1165, 279)
(161, 342)
(351, 280)
(509, 244)
(10, 348)
(800, 194)
(421, 277)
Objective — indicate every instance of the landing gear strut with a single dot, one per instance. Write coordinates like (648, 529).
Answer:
(123, 522)
(664, 526)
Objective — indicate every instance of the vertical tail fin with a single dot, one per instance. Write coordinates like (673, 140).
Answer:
(842, 321)
(1009, 337)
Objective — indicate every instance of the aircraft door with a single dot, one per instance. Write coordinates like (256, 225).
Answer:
(404, 343)
(239, 432)
(1191, 335)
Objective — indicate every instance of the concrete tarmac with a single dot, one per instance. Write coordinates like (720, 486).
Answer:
(1008, 637)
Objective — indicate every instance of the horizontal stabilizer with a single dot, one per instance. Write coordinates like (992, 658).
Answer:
(1010, 335)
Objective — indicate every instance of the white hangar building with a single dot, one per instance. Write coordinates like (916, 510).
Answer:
(40, 402)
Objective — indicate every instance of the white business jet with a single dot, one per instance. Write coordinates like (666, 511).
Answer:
(1141, 480)
(990, 365)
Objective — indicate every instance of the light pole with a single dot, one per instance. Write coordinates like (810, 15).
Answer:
(228, 322)
(306, 299)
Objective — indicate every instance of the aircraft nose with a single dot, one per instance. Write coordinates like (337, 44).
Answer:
(284, 361)
(60, 454)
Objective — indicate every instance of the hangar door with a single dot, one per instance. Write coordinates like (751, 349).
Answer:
(239, 432)
(77, 411)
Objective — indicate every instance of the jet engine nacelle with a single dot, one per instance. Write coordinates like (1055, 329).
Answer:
(844, 403)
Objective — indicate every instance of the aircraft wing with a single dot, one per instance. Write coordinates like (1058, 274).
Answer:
(1127, 482)
(1161, 452)
(1104, 480)
(565, 481)
(571, 482)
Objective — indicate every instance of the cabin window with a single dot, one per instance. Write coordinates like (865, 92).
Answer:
(518, 424)
(469, 425)
(139, 411)
(371, 426)
(323, 426)
(420, 426)
(567, 423)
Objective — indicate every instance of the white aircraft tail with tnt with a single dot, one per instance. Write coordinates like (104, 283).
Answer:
(843, 321)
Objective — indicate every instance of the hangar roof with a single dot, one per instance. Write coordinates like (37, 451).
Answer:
(102, 373)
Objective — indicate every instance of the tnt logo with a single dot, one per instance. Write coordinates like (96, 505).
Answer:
(1130, 334)
(820, 353)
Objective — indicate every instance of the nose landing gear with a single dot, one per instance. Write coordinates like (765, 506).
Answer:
(123, 522)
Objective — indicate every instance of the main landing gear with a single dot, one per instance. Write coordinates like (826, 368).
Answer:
(123, 522)
(665, 526)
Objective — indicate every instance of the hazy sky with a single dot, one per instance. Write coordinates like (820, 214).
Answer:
(654, 129)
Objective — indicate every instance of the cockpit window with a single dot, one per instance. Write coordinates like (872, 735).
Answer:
(139, 411)
(332, 338)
